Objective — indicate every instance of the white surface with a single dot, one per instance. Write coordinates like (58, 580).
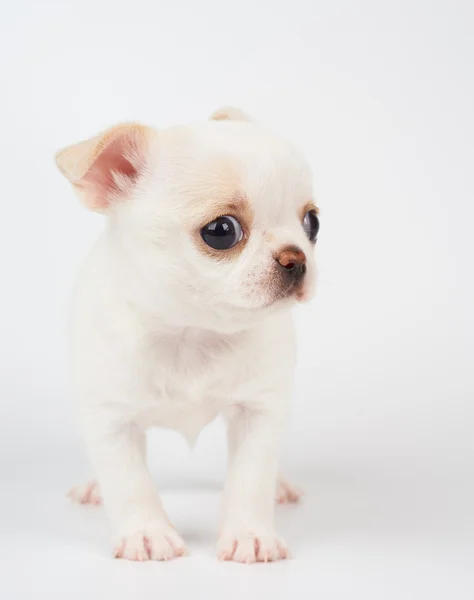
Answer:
(379, 96)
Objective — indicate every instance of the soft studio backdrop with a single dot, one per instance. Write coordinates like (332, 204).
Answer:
(379, 95)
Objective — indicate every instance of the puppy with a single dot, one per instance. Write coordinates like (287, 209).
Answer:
(182, 312)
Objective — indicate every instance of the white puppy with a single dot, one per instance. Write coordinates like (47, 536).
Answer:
(181, 313)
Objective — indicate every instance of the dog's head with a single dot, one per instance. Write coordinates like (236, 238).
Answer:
(215, 221)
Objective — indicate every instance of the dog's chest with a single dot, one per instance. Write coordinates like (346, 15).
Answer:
(188, 376)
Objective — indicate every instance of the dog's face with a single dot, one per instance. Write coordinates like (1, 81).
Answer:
(216, 220)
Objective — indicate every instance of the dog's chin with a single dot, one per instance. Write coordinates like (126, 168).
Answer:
(286, 298)
(231, 317)
(304, 295)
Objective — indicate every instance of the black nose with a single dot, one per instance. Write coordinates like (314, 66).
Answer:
(292, 261)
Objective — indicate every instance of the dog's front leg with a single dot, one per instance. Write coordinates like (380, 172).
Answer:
(247, 529)
(117, 452)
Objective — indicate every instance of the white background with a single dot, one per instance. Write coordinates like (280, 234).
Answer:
(379, 95)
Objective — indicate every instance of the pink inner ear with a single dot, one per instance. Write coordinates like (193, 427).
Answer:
(113, 172)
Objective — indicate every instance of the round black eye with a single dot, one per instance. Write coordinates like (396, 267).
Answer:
(223, 233)
(311, 225)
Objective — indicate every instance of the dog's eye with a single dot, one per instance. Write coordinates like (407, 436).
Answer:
(223, 233)
(311, 225)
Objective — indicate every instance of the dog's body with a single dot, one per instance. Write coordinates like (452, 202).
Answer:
(170, 332)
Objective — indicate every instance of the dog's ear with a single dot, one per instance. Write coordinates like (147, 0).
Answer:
(104, 167)
(229, 113)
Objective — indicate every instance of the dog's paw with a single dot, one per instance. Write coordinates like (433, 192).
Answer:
(249, 546)
(288, 494)
(156, 544)
(88, 493)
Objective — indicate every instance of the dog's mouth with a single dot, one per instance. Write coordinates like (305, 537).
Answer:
(284, 295)
(278, 290)
(295, 292)
(286, 285)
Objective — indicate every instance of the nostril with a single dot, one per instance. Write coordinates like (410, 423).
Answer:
(289, 267)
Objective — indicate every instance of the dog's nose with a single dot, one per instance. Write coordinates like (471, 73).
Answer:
(293, 260)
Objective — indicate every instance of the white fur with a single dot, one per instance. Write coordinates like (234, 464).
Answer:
(163, 335)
